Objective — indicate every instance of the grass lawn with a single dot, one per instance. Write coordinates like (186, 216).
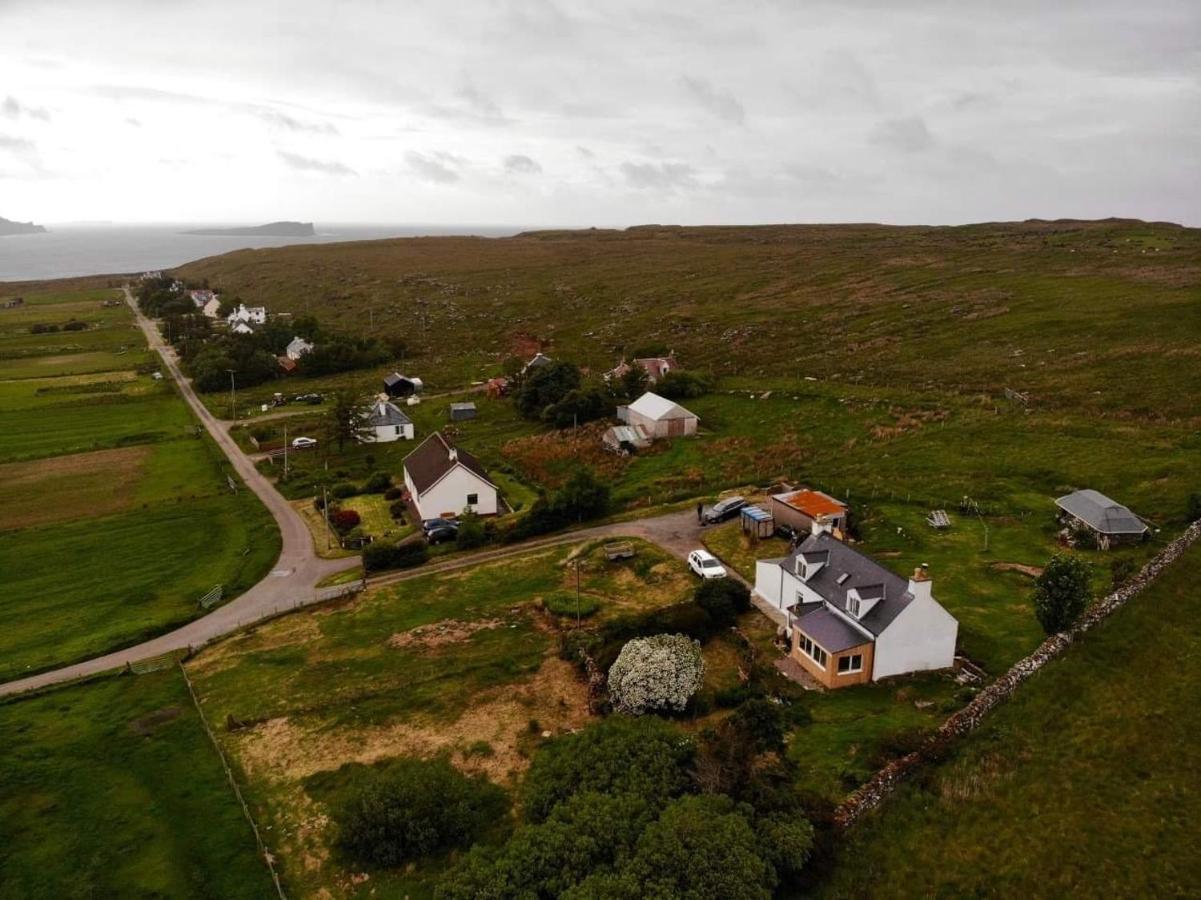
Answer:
(111, 788)
(78, 589)
(114, 515)
(376, 520)
(463, 663)
(1083, 784)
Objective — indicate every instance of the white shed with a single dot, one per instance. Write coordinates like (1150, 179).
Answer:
(659, 417)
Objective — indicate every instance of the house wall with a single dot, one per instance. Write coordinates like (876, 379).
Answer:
(829, 675)
(385, 434)
(449, 495)
(769, 582)
(684, 426)
(802, 522)
(922, 637)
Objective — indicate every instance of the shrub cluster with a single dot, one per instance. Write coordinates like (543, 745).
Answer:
(381, 555)
(582, 498)
(656, 673)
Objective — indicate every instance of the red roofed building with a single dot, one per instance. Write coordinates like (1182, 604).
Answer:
(800, 510)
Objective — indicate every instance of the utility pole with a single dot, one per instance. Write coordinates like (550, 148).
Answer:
(285, 451)
(233, 415)
(577, 593)
(325, 512)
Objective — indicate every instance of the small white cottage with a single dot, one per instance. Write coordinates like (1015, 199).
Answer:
(658, 417)
(444, 480)
(386, 423)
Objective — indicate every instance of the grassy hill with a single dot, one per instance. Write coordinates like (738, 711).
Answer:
(1101, 315)
(1083, 785)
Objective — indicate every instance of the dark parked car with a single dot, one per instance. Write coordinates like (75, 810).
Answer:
(724, 509)
(442, 533)
(430, 524)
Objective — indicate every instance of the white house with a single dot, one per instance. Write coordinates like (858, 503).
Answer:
(444, 480)
(658, 417)
(212, 307)
(251, 315)
(241, 328)
(655, 367)
(201, 298)
(851, 620)
(387, 424)
(297, 347)
(537, 361)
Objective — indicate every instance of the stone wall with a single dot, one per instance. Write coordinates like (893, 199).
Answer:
(873, 793)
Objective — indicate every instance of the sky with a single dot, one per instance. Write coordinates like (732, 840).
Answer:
(548, 113)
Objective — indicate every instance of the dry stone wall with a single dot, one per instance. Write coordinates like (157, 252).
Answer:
(873, 793)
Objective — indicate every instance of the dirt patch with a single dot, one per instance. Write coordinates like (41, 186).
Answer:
(285, 749)
(151, 722)
(1032, 571)
(439, 634)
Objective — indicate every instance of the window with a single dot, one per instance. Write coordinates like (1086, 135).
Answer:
(473, 499)
(853, 606)
(814, 652)
(850, 664)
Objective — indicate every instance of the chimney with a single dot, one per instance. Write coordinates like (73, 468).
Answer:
(920, 585)
(452, 454)
(817, 527)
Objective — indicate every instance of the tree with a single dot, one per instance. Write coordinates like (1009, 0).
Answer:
(700, 848)
(415, 808)
(658, 672)
(1061, 592)
(619, 755)
(344, 421)
(471, 532)
(723, 599)
(680, 385)
(632, 384)
(544, 386)
(786, 840)
(579, 406)
(1193, 511)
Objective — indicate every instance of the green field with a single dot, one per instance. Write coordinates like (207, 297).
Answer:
(115, 514)
(462, 663)
(1083, 785)
(112, 789)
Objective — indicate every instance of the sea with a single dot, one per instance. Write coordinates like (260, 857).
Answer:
(66, 251)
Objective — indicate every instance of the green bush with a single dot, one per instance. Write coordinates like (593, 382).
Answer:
(1193, 509)
(723, 599)
(342, 490)
(382, 555)
(414, 809)
(563, 603)
(644, 756)
(471, 532)
(377, 483)
(398, 510)
(393, 493)
(681, 385)
(1061, 592)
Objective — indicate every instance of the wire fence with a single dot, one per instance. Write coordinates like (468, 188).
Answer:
(267, 858)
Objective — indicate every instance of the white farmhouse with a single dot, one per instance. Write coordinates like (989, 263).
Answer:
(386, 423)
(241, 328)
(251, 315)
(297, 347)
(851, 620)
(658, 417)
(444, 480)
(212, 308)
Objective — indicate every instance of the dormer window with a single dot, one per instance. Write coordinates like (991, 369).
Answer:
(842, 579)
(853, 605)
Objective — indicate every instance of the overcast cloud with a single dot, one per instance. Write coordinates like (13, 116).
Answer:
(536, 112)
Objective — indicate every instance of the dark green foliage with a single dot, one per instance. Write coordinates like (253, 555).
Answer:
(699, 848)
(723, 599)
(1193, 510)
(786, 841)
(393, 493)
(583, 497)
(1061, 592)
(644, 756)
(335, 354)
(210, 363)
(381, 555)
(633, 383)
(398, 510)
(681, 385)
(377, 483)
(471, 531)
(344, 422)
(412, 809)
(579, 406)
(1121, 570)
(342, 490)
(762, 721)
(544, 386)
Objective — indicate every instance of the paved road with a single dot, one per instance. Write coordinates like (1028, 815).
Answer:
(291, 580)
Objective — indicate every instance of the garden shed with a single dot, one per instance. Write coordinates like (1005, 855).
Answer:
(757, 521)
(460, 412)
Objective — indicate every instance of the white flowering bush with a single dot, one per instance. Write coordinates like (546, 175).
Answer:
(658, 672)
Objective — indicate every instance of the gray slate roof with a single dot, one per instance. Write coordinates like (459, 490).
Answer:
(863, 572)
(385, 413)
(432, 459)
(832, 633)
(1100, 513)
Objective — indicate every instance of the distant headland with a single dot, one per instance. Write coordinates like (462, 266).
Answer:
(271, 229)
(9, 227)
